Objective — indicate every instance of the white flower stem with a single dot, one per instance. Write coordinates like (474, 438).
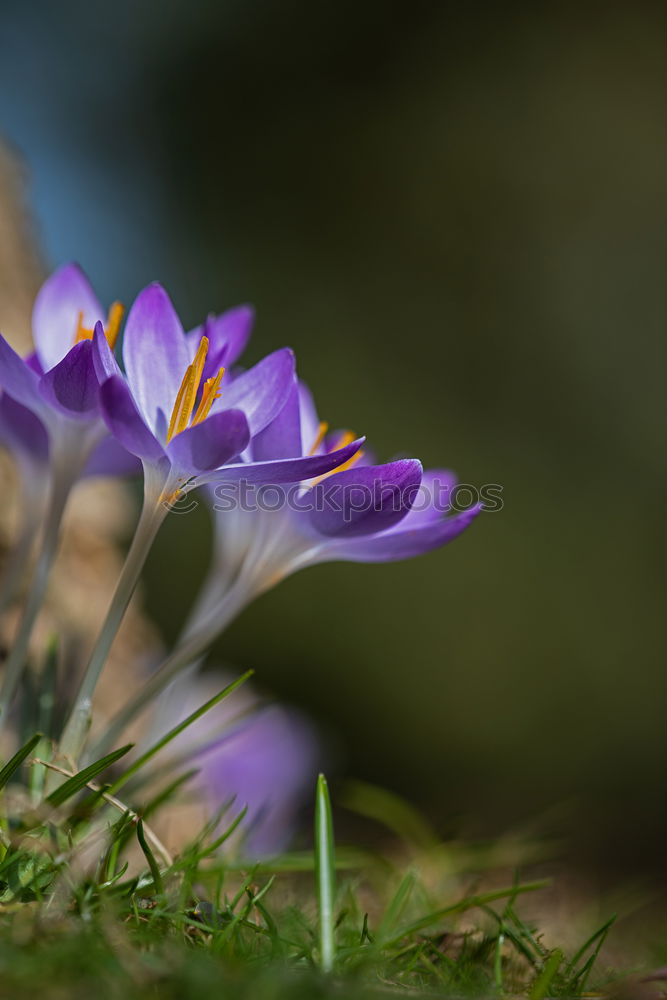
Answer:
(153, 513)
(63, 479)
(31, 514)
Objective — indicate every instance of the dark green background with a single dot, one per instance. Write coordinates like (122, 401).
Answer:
(456, 216)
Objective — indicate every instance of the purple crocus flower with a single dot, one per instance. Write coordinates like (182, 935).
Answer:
(58, 383)
(180, 410)
(362, 513)
(190, 422)
(23, 434)
(26, 438)
(261, 535)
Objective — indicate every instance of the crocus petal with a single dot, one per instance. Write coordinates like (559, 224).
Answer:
(282, 437)
(34, 364)
(227, 335)
(290, 470)
(22, 430)
(310, 422)
(110, 458)
(125, 422)
(433, 499)
(211, 443)
(402, 542)
(72, 386)
(103, 357)
(365, 500)
(18, 379)
(262, 391)
(55, 315)
(269, 763)
(156, 356)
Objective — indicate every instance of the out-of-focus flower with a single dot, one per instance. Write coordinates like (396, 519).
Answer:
(24, 436)
(58, 382)
(58, 385)
(264, 757)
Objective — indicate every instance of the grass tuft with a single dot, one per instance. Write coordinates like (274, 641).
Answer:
(91, 900)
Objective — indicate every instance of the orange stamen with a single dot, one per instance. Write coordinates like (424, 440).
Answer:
(81, 332)
(114, 319)
(347, 437)
(321, 434)
(182, 414)
(179, 417)
(209, 395)
(347, 465)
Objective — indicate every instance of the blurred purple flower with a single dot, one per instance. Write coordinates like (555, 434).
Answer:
(55, 416)
(267, 762)
(57, 383)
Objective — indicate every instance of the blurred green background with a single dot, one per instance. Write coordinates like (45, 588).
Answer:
(456, 216)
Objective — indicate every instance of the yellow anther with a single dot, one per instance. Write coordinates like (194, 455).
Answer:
(114, 319)
(179, 415)
(347, 437)
(81, 332)
(321, 434)
(186, 397)
(209, 395)
(111, 331)
(347, 465)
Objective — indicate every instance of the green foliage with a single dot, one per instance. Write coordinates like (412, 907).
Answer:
(325, 874)
(80, 912)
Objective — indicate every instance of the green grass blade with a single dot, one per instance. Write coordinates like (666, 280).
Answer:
(47, 696)
(396, 907)
(580, 977)
(177, 730)
(325, 873)
(80, 780)
(150, 858)
(466, 904)
(14, 764)
(600, 933)
(541, 985)
(498, 961)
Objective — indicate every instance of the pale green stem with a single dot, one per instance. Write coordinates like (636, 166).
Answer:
(19, 554)
(63, 480)
(153, 513)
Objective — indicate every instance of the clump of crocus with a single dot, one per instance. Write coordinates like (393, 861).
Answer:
(190, 422)
(180, 408)
(359, 512)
